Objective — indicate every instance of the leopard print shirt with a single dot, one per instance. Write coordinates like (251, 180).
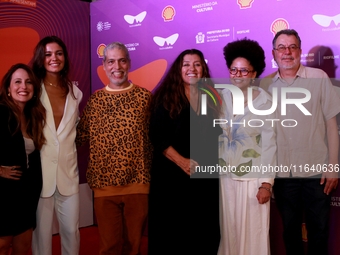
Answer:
(116, 124)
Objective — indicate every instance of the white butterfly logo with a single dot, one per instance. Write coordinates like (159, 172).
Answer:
(160, 41)
(131, 19)
(325, 21)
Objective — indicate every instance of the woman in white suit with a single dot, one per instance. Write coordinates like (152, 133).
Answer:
(60, 192)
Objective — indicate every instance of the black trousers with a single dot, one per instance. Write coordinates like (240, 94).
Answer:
(296, 197)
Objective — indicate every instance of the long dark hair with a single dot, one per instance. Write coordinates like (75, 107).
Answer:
(34, 111)
(171, 92)
(38, 62)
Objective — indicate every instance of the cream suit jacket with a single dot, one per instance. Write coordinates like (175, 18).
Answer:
(59, 153)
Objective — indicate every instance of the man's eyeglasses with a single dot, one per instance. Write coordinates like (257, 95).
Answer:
(244, 72)
(291, 48)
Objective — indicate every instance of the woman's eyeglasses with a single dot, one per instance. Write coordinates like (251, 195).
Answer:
(243, 72)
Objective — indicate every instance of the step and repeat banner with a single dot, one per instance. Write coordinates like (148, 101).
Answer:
(156, 31)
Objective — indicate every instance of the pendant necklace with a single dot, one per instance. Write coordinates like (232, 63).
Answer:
(51, 84)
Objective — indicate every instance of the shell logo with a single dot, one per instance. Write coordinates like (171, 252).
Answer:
(278, 25)
(244, 4)
(100, 50)
(168, 13)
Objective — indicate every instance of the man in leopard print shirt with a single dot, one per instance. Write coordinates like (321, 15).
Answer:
(115, 123)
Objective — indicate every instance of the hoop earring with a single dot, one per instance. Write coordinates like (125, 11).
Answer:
(8, 94)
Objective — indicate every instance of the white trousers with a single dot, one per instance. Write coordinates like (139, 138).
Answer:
(66, 209)
(244, 222)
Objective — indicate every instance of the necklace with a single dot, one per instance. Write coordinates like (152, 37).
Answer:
(51, 84)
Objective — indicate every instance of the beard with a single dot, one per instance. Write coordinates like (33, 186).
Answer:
(119, 81)
(291, 65)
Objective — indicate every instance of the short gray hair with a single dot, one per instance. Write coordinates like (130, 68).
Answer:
(287, 32)
(118, 45)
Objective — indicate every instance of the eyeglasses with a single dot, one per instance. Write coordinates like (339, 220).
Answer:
(291, 48)
(244, 72)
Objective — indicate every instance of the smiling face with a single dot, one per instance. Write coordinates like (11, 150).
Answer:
(116, 67)
(54, 58)
(239, 66)
(21, 89)
(289, 59)
(191, 69)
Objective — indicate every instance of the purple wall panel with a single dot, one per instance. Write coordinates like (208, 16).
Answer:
(209, 26)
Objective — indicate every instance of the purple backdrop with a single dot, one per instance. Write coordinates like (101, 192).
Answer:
(160, 30)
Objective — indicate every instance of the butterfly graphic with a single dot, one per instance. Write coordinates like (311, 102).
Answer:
(131, 19)
(160, 41)
(325, 21)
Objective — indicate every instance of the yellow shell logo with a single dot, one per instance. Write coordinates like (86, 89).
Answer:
(244, 4)
(168, 13)
(100, 50)
(278, 25)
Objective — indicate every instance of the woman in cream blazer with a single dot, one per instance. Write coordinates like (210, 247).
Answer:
(60, 192)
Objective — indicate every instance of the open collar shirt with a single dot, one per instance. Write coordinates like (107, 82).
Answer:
(302, 139)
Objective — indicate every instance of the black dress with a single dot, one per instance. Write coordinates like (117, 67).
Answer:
(183, 210)
(18, 198)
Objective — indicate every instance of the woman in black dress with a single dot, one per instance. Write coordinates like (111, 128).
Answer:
(22, 117)
(183, 204)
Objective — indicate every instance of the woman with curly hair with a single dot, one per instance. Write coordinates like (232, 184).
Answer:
(183, 205)
(22, 120)
(247, 142)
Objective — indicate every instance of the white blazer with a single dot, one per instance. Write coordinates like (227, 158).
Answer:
(59, 153)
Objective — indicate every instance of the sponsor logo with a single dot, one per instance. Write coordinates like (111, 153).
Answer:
(217, 35)
(278, 25)
(168, 13)
(135, 19)
(245, 4)
(100, 50)
(132, 46)
(325, 21)
(204, 7)
(103, 26)
(200, 37)
(160, 41)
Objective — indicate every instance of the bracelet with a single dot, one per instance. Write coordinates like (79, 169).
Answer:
(267, 189)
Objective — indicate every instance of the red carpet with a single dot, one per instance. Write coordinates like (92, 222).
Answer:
(89, 242)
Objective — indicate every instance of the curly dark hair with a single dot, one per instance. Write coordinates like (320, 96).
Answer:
(248, 49)
(171, 92)
(39, 57)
